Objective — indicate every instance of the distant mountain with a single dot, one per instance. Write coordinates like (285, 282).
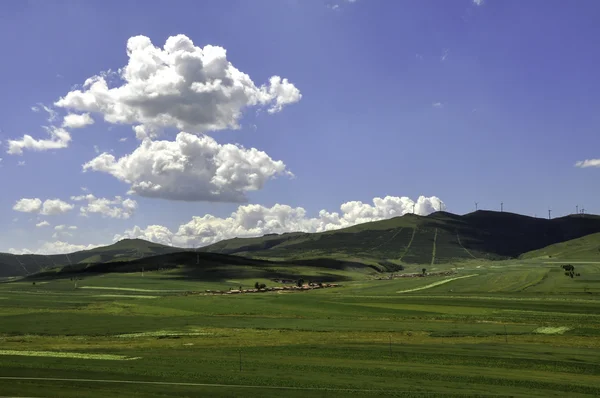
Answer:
(440, 237)
(124, 250)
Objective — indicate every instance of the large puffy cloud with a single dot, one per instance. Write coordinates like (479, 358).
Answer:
(257, 220)
(48, 207)
(75, 121)
(191, 168)
(56, 247)
(181, 85)
(113, 208)
(59, 138)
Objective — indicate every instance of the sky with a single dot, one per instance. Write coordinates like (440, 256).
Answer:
(189, 122)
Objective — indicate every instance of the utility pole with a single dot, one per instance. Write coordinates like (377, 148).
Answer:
(501, 206)
(549, 214)
(413, 208)
(476, 203)
(576, 209)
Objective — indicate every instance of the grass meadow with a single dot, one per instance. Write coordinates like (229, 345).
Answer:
(509, 328)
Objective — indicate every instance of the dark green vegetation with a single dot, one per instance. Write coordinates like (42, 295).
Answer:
(438, 238)
(216, 267)
(503, 328)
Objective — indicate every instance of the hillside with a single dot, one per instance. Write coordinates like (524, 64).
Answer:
(410, 239)
(586, 248)
(216, 267)
(124, 250)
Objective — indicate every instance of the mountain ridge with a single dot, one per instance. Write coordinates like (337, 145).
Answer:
(406, 239)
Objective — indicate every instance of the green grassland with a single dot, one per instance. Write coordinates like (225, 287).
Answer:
(495, 328)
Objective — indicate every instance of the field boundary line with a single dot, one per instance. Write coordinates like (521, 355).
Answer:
(464, 248)
(434, 284)
(188, 384)
(433, 251)
(409, 243)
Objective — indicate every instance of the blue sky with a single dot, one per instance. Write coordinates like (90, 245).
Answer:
(458, 101)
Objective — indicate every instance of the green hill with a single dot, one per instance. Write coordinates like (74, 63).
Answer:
(585, 248)
(410, 239)
(124, 250)
(217, 267)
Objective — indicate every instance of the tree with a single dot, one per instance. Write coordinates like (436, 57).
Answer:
(424, 271)
(257, 285)
(262, 286)
(300, 282)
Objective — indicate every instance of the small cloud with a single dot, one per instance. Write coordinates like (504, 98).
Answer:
(59, 76)
(21, 163)
(437, 105)
(444, 54)
(52, 115)
(96, 149)
(478, 2)
(42, 224)
(123, 139)
(588, 163)
(334, 7)
(84, 189)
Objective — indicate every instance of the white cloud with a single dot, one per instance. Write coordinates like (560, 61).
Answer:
(478, 2)
(59, 138)
(75, 121)
(42, 224)
(21, 163)
(63, 227)
(56, 247)
(27, 205)
(181, 85)
(257, 220)
(113, 208)
(123, 139)
(96, 149)
(588, 163)
(48, 208)
(437, 105)
(191, 168)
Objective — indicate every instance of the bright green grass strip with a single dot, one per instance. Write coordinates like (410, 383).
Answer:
(130, 289)
(162, 333)
(126, 296)
(434, 284)
(76, 355)
(552, 330)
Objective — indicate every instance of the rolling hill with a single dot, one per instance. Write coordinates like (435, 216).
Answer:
(410, 239)
(124, 250)
(438, 238)
(586, 248)
(216, 267)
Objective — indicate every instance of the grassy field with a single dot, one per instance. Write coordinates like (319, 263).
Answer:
(511, 328)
